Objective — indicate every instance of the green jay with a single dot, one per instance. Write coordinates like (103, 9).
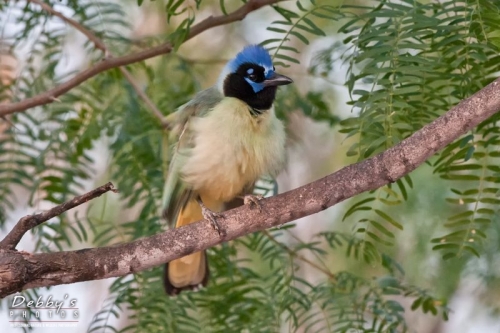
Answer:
(227, 137)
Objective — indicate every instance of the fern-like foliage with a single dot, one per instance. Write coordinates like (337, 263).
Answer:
(408, 63)
(472, 165)
(297, 24)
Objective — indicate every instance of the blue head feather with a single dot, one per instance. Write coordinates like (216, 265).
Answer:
(254, 54)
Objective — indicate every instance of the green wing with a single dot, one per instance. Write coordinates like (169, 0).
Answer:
(175, 193)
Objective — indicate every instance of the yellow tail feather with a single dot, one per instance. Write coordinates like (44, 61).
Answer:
(191, 271)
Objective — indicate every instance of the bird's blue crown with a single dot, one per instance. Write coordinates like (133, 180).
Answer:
(254, 54)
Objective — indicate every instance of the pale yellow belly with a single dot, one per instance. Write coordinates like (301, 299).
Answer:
(232, 149)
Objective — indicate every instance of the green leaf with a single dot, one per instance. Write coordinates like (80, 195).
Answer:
(287, 58)
(278, 30)
(302, 38)
(222, 4)
(388, 219)
(382, 229)
(358, 207)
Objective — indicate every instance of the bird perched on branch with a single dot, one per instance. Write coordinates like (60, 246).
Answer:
(228, 136)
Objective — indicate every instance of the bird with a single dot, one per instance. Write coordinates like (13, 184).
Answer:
(227, 137)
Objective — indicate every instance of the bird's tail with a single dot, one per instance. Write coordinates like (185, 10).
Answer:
(189, 272)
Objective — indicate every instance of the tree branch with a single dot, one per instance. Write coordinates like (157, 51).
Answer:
(20, 271)
(110, 62)
(29, 222)
(89, 34)
(99, 44)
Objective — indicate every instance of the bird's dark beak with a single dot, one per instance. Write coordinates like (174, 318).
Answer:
(277, 80)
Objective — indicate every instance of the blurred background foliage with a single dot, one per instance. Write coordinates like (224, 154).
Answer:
(367, 75)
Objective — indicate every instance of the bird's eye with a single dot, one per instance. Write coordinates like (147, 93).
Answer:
(274, 69)
(252, 77)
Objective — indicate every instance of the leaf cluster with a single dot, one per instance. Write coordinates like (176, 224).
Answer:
(409, 62)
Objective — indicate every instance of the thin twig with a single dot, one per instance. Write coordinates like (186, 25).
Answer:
(295, 254)
(99, 44)
(90, 35)
(29, 222)
(156, 112)
(313, 252)
(110, 62)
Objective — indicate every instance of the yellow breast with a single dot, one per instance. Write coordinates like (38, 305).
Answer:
(232, 149)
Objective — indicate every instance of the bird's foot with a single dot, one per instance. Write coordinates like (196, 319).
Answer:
(250, 200)
(212, 218)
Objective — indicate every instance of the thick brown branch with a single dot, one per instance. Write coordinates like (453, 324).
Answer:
(21, 271)
(109, 63)
(29, 222)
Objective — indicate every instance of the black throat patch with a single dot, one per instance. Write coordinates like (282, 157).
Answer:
(235, 85)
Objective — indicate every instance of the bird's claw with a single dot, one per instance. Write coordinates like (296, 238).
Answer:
(212, 218)
(250, 199)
